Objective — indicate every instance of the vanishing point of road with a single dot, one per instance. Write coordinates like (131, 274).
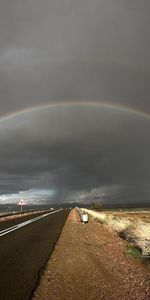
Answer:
(26, 244)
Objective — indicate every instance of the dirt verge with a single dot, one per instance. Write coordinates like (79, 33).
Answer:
(89, 262)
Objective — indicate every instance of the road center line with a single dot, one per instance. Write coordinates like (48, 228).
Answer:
(15, 227)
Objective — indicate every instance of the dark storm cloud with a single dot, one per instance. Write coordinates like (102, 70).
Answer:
(75, 50)
(81, 153)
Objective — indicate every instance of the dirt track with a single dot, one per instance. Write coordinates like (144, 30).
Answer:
(89, 262)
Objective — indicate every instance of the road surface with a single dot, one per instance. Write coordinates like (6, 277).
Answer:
(25, 246)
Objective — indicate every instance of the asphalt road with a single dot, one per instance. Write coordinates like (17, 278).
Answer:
(25, 251)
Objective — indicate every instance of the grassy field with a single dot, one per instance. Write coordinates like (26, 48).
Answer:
(132, 226)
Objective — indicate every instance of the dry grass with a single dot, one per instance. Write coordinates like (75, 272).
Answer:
(139, 234)
(97, 216)
(135, 231)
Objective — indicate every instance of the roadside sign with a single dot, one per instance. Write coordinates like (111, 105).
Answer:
(21, 203)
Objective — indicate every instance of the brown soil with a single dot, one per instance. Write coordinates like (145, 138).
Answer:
(89, 262)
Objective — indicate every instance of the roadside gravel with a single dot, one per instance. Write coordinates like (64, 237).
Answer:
(89, 262)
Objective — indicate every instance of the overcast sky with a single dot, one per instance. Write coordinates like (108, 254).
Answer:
(58, 50)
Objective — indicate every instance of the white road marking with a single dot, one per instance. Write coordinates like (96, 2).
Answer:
(15, 227)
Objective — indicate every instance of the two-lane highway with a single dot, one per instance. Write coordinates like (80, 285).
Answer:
(22, 224)
(25, 246)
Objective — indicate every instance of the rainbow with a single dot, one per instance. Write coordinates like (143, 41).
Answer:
(89, 103)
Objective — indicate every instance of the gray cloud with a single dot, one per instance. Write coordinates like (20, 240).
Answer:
(75, 150)
(58, 50)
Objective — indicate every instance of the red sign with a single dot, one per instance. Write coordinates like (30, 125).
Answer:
(21, 202)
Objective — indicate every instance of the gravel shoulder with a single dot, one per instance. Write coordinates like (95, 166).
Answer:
(89, 262)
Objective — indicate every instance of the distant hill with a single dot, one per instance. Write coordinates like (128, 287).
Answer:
(7, 208)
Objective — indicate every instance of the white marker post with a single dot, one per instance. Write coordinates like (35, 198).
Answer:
(21, 203)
